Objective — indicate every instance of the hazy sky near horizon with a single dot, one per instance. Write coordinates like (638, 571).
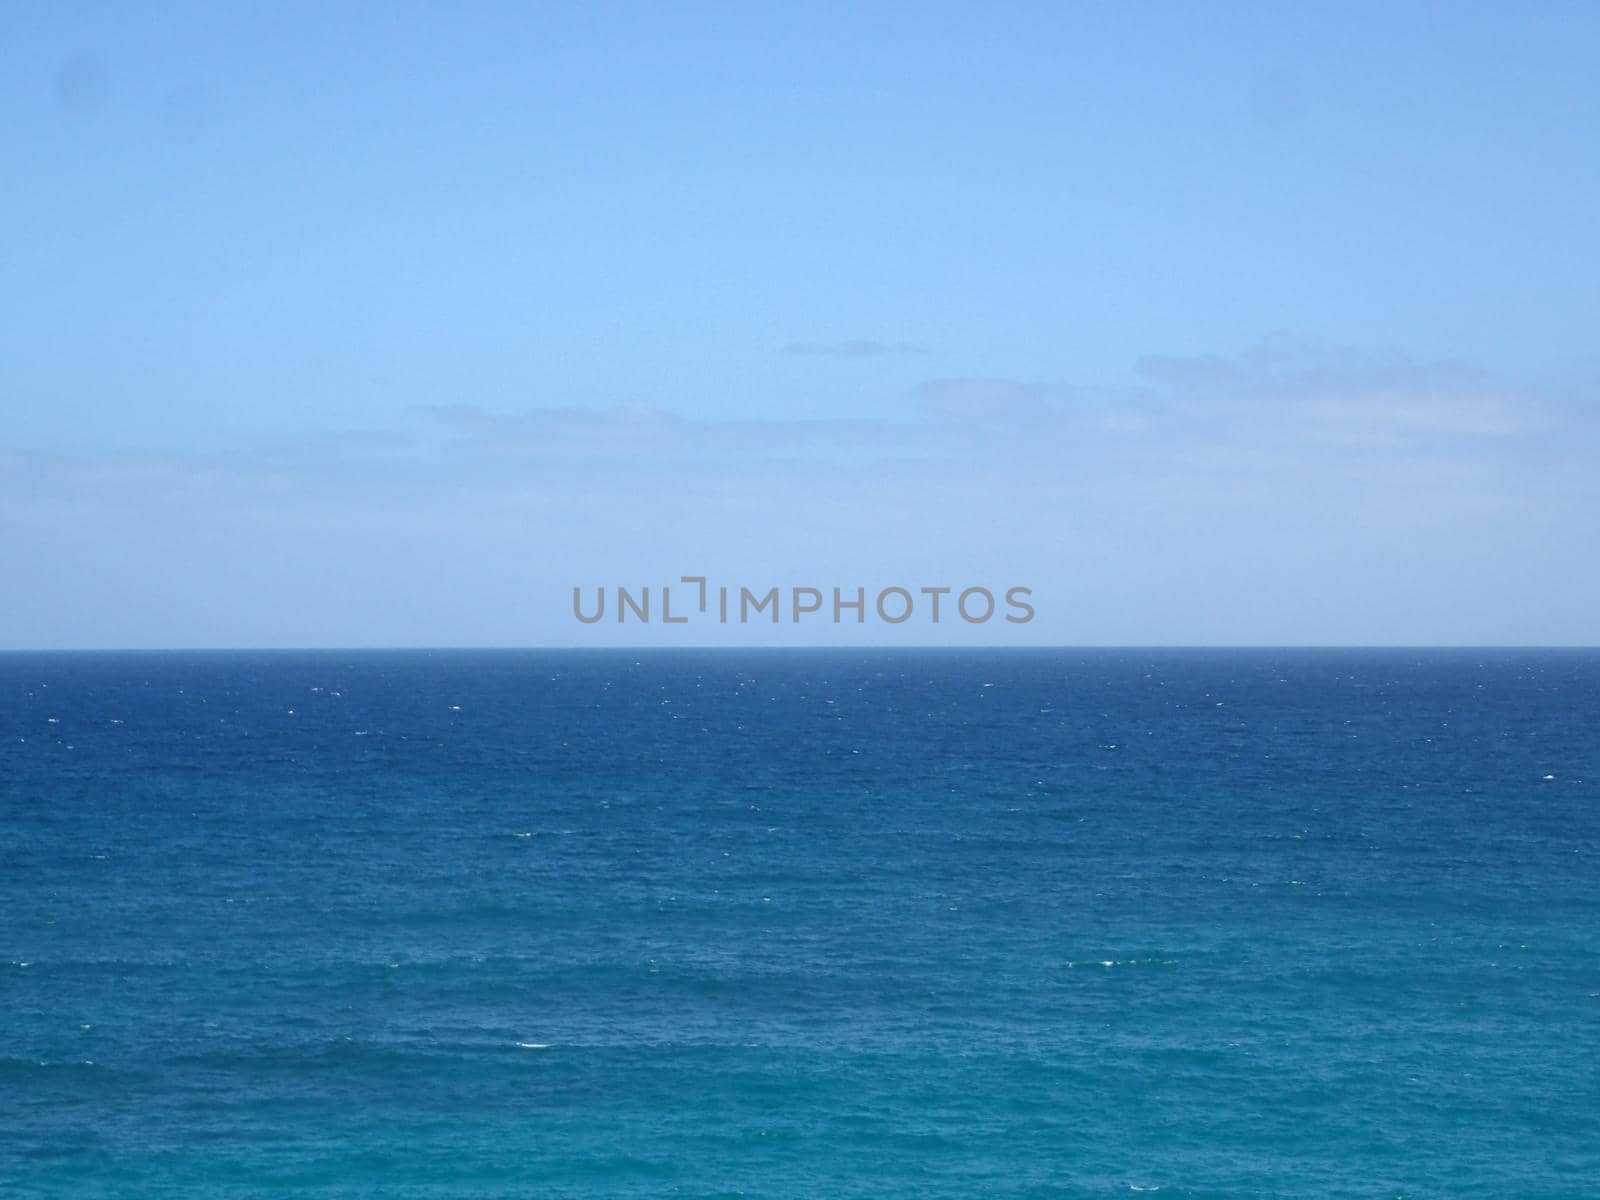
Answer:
(388, 325)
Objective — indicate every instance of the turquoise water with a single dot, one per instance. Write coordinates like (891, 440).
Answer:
(804, 924)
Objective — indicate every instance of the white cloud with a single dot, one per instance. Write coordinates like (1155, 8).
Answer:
(1276, 495)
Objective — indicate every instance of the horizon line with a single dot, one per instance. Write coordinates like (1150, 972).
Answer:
(638, 647)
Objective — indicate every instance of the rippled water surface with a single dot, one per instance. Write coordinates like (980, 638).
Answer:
(800, 924)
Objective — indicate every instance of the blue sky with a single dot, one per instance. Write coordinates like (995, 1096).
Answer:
(386, 325)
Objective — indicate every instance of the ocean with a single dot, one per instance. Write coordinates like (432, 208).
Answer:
(806, 923)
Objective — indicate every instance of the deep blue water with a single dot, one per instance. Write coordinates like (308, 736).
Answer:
(800, 924)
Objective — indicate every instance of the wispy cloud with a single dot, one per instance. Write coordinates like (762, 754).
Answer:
(1353, 397)
(1274, 408)
(1276, 494)
(854, 348)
